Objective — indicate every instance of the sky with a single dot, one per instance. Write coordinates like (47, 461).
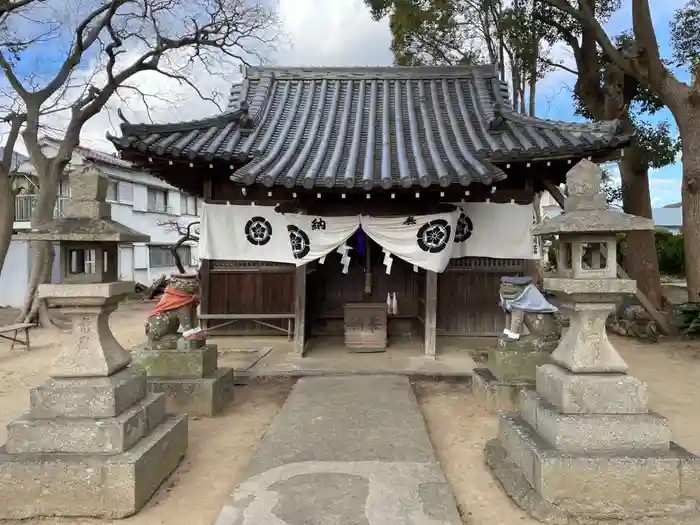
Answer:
(341, 33)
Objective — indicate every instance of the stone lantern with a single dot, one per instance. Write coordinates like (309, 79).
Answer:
(585, 446)
(94, 442)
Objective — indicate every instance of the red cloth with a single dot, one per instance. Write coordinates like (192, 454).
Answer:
(172, 299)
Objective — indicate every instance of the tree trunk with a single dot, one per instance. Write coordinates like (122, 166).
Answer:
(7, 216)
(42, 262)
(690, 192)
(515, 78)
(641, 262)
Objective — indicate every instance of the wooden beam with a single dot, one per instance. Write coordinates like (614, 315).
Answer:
(300, 310)
(554, 191)
(430, 328)
(660, 319)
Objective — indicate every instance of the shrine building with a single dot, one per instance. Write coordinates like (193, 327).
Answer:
(371, 203)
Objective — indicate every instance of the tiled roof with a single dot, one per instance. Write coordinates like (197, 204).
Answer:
(95, 155)
(367, 127)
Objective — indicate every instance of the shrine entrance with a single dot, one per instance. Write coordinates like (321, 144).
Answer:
(366, 307)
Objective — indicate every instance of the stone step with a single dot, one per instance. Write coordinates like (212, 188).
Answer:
(592, 393)
(592, 433)
(96, 397)
(601, 485)
(27, 435)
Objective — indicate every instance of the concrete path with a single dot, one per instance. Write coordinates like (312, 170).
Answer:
(345, 451)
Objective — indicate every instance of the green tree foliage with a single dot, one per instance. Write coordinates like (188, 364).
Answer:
(685, 36)
(451, 32)
(669, 249)
(436, 32)
(656, 141)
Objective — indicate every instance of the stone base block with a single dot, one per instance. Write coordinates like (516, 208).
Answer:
(494, 395)
(514, 366)
(191, 344)
(26, 435)
(93, 397)
(195, 363)
(592, 393)
(594, 433)
(524, 495)
(608, 486)
(205, 396)
(35, 485)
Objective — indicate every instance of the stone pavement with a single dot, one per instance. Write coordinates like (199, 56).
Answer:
(350, 450)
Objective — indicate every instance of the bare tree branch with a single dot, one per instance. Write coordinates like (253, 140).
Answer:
(109, 46)
(559, 66)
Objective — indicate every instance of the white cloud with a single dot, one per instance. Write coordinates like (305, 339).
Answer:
(315, 33)
(664, 191)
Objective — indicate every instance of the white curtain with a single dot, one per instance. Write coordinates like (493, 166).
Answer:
(313, 237)
(422, 240)
(500, 231)
(259, 233)
(244, 233)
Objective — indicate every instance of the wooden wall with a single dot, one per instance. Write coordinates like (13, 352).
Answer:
(467, 296)
(248, 288)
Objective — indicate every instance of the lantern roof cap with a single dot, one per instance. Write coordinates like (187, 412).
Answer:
(585, 209)
(87, 216)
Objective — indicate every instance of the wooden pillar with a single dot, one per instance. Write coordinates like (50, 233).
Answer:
(300, 310)
(430, 313)
(205, 269)
(204, 290)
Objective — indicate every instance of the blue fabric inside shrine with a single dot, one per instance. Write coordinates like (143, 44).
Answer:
(531, 300)
(361, 241)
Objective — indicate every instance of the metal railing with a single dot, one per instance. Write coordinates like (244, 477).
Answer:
(25, 204)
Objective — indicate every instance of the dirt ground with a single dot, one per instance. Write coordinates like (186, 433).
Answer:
(220, 448)
(459, 428)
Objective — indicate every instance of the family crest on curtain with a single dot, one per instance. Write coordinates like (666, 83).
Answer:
(260, 233)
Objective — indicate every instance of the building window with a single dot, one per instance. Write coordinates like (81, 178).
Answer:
(64, 188)
(191, 206)
(112, 191)
(160, 256)
(120, 191)
(157, 200)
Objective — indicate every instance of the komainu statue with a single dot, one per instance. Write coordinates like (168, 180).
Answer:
(532, 323)
(632, 320)
(176, 309)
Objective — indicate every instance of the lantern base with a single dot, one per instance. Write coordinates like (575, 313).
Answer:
(570, 489)
(585, 448)
(94, 485)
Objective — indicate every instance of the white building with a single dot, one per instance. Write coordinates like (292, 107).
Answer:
(139, 201)
(669, 218)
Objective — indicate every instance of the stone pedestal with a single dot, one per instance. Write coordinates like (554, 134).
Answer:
(528, 340)
(516, 361)
(493, 394)
(585, 448)
(94, 441)
(588, 447)
(189, 376)
(511, 367)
